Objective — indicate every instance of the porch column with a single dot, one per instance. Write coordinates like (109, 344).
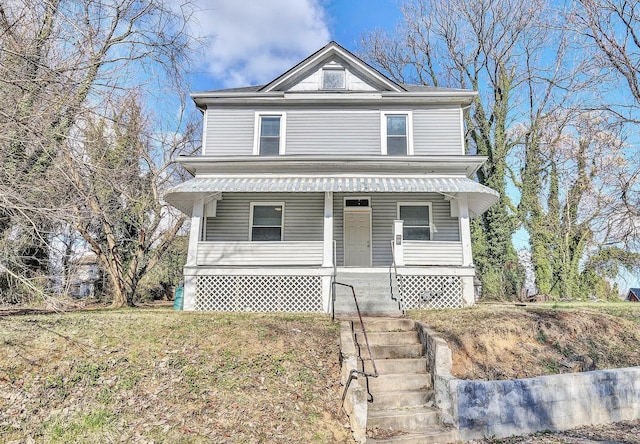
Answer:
(196, 230)
(465, 230)
(398, 242)
(327, 257)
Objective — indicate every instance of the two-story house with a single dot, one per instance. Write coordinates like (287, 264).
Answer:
(330, 171)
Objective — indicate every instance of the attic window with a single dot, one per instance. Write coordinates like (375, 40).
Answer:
(333, 78)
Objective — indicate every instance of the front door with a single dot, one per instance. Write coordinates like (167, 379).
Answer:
(357, 238)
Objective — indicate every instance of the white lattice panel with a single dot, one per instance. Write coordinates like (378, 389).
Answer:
(431, 292)
(259, 293)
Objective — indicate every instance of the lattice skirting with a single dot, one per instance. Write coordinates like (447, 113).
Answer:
(259, 293)
(431, 292)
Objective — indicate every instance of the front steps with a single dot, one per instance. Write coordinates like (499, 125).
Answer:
(373, 291)
(402, 410)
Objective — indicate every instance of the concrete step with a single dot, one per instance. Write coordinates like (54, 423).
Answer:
(343, 313)
(404, 365)
(392, 351)
(402, 399)
(384, 324)
(388, 337)
(368, 307)
(402, 419)
(426, 435)
(399, 381)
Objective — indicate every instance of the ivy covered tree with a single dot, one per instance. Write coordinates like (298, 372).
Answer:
(554, 143)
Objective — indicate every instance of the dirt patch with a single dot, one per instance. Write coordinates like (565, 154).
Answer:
(507, 342)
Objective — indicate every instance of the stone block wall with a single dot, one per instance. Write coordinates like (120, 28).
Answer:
(521, 406)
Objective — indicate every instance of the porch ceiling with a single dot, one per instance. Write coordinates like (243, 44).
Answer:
(480, 197)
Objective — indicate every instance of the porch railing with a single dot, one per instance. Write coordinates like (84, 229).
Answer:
(393, 274)
(306, 253)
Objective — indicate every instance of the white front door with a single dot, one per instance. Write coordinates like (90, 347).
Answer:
(357, 238)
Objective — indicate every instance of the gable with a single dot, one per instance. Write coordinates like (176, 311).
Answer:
(335, 71)
(346, 73)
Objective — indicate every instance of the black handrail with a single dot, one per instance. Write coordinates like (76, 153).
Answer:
(354, 371)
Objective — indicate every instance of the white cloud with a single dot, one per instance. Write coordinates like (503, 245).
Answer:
(253, 41)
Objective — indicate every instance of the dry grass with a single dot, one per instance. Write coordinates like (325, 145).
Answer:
(164, 376)
(509, 341)
(154, 375)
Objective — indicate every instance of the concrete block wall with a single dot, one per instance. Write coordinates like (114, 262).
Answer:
(521, 406)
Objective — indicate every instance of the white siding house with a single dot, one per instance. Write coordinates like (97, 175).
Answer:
(330, 172)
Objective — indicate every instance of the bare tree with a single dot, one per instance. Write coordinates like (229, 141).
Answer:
(613, 27)
(65, 65)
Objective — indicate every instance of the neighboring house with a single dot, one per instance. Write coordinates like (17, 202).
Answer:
(85, 272)
(634, 295)
(332, 169)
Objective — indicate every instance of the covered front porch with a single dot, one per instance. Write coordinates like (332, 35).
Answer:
(324, 236)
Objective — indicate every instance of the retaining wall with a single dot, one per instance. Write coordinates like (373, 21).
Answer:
(521, 406)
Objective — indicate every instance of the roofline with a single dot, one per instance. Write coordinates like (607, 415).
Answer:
(461, 97)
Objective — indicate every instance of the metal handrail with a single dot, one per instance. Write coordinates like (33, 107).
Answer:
(399, 281)
(354, 372)
(333, 283)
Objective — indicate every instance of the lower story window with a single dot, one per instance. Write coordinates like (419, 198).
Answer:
(266, 221)
(417, 221)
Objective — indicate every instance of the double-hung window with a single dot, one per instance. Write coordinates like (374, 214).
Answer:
(266, 221)
(396, 134)
(417, 220)
(269, 138)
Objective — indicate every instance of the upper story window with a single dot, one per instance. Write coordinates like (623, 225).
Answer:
(396, 134)
(266, 221)
(333, 78)
(269, 136)
(417, 220)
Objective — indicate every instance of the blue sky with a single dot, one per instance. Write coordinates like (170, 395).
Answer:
(252, 41)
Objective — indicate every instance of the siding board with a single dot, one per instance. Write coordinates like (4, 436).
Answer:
(437, 131)
(229, 132)
(303, 216)
(333, 133)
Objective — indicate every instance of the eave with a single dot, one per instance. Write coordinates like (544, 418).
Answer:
(310, 165)
(218, 98)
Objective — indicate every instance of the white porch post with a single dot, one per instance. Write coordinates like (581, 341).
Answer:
(196, 229)
(327, 258)
(327, 251)
(468, 294)
(398, 243)
(465, 230)
(192, 254)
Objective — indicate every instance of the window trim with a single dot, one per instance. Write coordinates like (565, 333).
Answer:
(357, 208)
(258, 129)
(417, 204)
(383, 130)
(252, 205)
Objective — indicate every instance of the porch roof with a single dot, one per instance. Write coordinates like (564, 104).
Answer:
(480, 197)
